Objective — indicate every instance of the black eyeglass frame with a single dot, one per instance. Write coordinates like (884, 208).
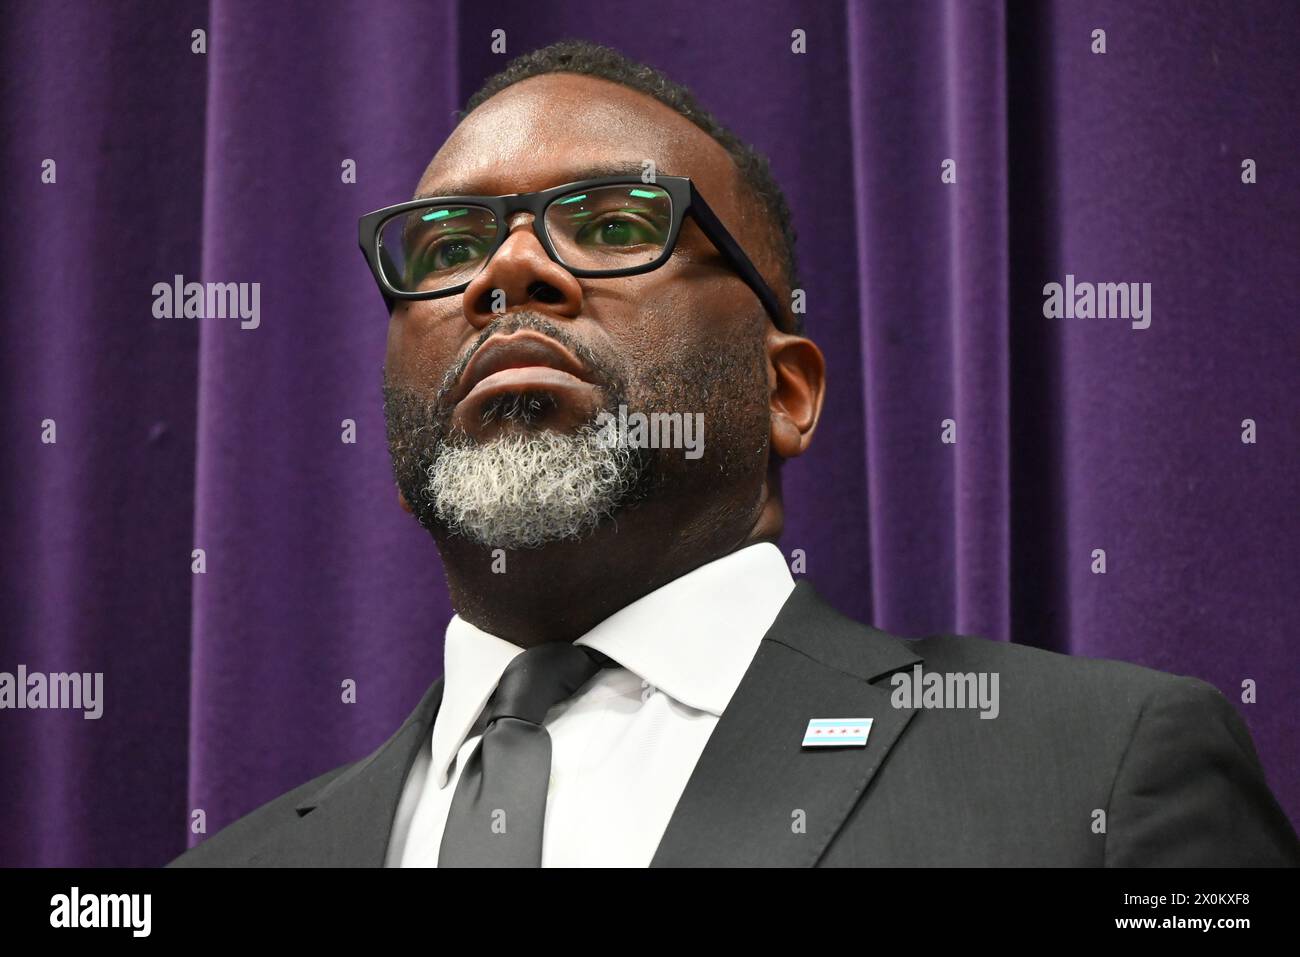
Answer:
(686, 200)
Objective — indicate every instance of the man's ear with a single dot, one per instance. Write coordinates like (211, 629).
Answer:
(406, 506)
(796, 376)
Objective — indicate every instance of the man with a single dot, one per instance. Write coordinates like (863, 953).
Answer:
(632, 676)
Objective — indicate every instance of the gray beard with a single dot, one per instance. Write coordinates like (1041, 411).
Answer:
(531, 487)
(527, 489)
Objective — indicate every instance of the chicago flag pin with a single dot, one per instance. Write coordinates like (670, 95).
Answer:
(837, 733)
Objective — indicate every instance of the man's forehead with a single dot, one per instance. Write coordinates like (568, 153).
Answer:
(503, 177)
(560, 128)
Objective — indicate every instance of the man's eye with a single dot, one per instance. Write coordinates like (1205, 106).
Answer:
(618, 231)
(449, 252)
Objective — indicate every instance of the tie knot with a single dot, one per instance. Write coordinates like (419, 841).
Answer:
(541, 678)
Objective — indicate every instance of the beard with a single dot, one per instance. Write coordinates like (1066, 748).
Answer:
(526, 489)
(530, 487)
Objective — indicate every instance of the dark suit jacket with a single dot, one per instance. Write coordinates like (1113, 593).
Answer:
(1166, 758)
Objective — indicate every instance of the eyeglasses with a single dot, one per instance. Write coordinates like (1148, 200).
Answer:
(612, 226)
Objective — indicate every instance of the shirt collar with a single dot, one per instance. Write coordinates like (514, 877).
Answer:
(692, 639)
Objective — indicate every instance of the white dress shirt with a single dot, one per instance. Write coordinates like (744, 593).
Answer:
(624, 746)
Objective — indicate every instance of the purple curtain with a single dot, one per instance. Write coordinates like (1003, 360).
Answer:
(222, 689)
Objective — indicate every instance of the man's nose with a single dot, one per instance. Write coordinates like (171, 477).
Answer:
(520, 273)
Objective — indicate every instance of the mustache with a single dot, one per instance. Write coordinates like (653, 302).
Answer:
(602, 371)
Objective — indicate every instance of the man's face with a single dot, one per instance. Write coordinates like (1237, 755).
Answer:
(492, 415)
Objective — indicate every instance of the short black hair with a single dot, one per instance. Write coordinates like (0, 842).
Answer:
(591, 59)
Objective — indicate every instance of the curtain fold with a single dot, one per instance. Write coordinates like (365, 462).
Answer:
(929, 134)
(225, 688)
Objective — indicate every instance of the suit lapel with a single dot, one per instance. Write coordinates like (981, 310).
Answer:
(347, 822)
(757, 797)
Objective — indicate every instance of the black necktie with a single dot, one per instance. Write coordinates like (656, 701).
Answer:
(499, 808)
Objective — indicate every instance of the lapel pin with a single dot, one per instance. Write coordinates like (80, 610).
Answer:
(837, 733)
